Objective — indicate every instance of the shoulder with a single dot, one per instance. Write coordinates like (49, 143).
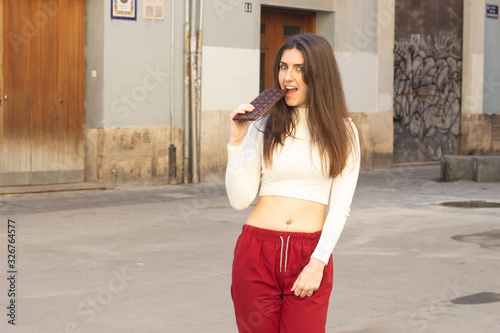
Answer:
(349, 121)
(351, 126)
(354, 136)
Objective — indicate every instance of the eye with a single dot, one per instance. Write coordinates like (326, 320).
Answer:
(300, 68)
(283, 66)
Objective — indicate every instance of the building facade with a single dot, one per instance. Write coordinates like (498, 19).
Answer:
(146, 100)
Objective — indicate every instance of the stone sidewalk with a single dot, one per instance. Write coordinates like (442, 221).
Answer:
(158, 259)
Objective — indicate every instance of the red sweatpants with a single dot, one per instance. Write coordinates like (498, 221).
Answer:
(265, 267)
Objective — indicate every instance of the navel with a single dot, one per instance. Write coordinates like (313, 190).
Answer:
(289, 222)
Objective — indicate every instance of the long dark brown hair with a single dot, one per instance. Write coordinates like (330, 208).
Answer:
(326, 106)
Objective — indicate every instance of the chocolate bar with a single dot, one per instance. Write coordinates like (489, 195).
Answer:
(263, 103)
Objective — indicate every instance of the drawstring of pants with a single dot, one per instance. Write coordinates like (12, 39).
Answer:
(286, 252)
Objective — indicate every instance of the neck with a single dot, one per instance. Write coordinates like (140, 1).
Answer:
(301, 112)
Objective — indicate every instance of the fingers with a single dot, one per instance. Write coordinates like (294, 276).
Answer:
(306, 292)
(242, 108)
(303, 292)
(294, 285)
(304, 286)
(300, 291)
(238, 129)
(309, 279)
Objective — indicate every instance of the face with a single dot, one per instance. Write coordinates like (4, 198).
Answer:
(291, 77)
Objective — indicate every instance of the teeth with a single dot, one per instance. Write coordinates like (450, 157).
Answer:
(290, 88)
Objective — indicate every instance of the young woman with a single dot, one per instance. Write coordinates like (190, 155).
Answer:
(305, 156)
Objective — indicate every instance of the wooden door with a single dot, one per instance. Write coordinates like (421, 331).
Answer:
(42, 112)
(277, 25)
(427, 79)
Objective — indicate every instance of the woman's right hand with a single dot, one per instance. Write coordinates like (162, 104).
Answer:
(239, 128)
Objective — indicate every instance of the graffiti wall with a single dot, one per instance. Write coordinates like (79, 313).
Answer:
(427, 80)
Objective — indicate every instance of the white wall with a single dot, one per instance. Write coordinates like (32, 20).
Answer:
(231, 54)
(326, 5)
(359, 79)
(491, 90)
(230, 77)
(364, 41)
(130, 61)
(473, 56)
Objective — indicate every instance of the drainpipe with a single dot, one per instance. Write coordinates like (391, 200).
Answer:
(194, 116)
(198, 83)
(172, 154)
(186, 94)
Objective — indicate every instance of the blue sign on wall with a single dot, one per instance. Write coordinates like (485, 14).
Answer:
(492, 11)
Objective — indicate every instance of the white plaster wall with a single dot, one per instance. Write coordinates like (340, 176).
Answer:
(225, 23)
(359, 72)
(137, 91)
(491, 91)
(356, 25)
(310, 4)
(230, 76)
(363, 45)
(131, 62)
(473, 56)
(385, 47)
(385, 81)
(472, 100)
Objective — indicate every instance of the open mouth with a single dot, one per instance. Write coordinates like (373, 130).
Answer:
(290, 91)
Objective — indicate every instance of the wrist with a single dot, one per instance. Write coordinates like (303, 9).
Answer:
(235, 143)
(318, 264)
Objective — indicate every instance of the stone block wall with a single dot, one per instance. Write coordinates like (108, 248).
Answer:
(130, 157)
(478, 135)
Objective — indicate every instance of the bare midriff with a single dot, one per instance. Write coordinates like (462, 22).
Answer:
(287, 214)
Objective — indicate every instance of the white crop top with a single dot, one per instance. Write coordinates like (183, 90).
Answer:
(295, 172)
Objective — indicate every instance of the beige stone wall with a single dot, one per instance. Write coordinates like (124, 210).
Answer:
(477, 136)
(129, 157)
(213, 151)
(375, 135)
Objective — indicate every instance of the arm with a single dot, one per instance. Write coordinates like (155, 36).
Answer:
(341, 195)
(243, 165)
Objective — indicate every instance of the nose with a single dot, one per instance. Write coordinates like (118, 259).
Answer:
(289, 74)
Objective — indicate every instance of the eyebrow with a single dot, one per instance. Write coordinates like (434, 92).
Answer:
(296, 65)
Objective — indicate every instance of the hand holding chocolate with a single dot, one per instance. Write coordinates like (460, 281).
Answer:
(262, 103)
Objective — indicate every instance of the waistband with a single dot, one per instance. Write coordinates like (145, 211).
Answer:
(274, 235)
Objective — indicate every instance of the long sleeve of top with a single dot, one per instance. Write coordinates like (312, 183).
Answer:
(292, 175)
(243, 172)
(341, 196)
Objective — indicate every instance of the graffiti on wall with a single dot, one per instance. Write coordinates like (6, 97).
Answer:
(427, 93)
